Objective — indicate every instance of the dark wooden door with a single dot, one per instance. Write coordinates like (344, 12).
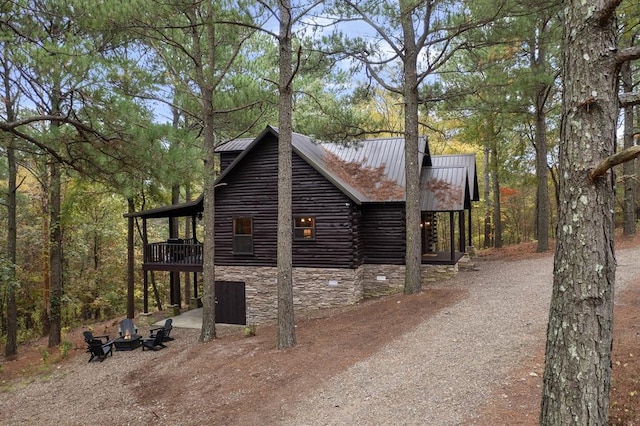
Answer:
(231, 305)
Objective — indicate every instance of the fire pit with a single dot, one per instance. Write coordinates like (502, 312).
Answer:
(127, 342)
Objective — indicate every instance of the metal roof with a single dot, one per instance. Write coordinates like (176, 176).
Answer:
(235, 145)
(444, 189)
(191, 208)
(313, 153)
(366, 171)
(456, 160)
(377, 153)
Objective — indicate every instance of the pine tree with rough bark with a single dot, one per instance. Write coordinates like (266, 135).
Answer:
(577, 376)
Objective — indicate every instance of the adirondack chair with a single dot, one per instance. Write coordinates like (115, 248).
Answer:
(98, 346)
(154, 343)
(167, 327)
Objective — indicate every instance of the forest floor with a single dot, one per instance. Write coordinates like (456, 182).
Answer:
(350, 329)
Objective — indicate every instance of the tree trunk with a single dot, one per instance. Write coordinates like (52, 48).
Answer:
(208, 331)
(538, 62)
(579, 337)
(497, 214)
(487, 199)
(55, 254)
(413, 257)
(46, 267)
(130, 261)
(174, 232)
(11, 344)
(286, 321)
(187, 235)
(628, 168)
(542, 174)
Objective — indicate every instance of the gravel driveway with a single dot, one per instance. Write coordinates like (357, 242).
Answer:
(443, 371)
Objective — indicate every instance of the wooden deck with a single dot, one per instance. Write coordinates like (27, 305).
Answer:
(173, 256)
(187, 257)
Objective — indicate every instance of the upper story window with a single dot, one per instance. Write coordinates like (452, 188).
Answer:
(243, 235)
(304, 228)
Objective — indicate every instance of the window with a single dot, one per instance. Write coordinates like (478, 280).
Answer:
(243, 235)
(304, 228)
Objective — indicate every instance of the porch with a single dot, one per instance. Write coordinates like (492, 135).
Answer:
(175, 254)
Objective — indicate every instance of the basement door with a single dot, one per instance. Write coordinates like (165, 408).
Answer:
(231, 306)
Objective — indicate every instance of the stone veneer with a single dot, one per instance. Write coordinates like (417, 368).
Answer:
(312, 288)
(385, 279)
(315, 288)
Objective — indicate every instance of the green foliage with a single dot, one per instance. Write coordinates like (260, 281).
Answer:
(65, 347)
(250, 330)
(44, 356)
(7, 275)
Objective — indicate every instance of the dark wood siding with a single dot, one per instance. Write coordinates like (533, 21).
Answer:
(383, 233)
(226, 158)
(251, 191)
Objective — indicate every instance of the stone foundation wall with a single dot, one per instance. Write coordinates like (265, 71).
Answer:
(312, 288)
(382, 279)
(315, 288)
(387, 279)
(435, 273)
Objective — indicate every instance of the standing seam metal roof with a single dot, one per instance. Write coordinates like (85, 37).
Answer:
(387, 153)
(444, 189)
(466, 160)
(454, 174)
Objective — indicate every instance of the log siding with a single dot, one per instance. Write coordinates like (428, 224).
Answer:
(250, 190)
(383, 233)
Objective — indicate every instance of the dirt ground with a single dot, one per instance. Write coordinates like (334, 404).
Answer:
(249, 372)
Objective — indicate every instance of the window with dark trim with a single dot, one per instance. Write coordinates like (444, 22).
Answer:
(304, 228)
(243, 235)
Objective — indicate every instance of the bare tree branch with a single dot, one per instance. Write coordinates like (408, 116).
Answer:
(613, 160)
(628, 54)
(629, 99)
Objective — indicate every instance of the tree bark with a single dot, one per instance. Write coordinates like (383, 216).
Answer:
(413, 257)
(286, 321)
(628, 168)
(579, 336)
(130, 260)
(497, 213)
(174, 232)
(55, 254)
(542, 175)
(187, 236)
(487, 199)
(208, 331)
(539, 66)
(542, 168)
(11, 344)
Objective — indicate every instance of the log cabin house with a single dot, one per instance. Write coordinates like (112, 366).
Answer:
(348, 204)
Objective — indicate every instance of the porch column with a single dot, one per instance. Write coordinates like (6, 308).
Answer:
(145, 292)
(470, 242)
(452, 236)
(461, 229)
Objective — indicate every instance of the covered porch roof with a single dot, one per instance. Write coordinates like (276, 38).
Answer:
(188, 209)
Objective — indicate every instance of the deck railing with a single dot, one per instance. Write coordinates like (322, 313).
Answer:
(174, 252)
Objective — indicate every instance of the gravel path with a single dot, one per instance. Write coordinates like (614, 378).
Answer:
(443, 371)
